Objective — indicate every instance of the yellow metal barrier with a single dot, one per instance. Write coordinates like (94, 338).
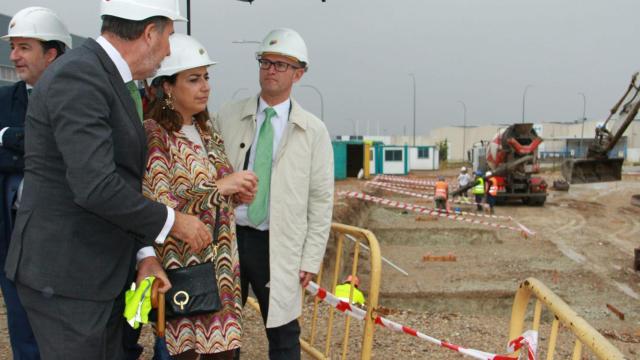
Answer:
(585, 334)
(310, 336)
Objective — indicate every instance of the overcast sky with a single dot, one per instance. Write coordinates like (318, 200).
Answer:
(482, 52)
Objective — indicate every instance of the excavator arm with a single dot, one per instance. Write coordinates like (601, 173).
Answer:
(598, 166)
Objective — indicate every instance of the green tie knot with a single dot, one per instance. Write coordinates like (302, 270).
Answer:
(269, 112)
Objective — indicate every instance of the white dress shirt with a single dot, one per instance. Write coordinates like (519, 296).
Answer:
(279, 123)
(125, 73)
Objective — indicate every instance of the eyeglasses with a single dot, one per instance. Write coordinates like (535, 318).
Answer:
(278, 65)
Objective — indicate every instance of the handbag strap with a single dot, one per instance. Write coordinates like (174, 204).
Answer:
(216, 227)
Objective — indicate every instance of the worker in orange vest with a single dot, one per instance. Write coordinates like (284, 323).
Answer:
(441, 194)
(491, 190)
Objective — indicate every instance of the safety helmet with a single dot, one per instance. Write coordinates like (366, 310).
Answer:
(352, 279)
(463, 169)
(137, 10)
(440, 178)
(38, 23)
(285, 42)
(489, 173)
(186, 53)
(478, 173)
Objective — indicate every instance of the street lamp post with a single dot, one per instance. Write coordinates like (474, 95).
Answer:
(246, 42)
(188, 17)
(524, 96)
(321, 99)
(464, 129)
(584, 118)
(413, 77)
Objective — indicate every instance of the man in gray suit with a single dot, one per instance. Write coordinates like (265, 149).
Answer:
(82, 217)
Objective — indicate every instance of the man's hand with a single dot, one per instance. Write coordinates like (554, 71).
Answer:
(191, 230)
(305, 277)
(150, 266)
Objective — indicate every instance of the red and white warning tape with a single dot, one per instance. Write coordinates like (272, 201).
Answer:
(430, 197)
(404, 186)
(404, 180)
(529, 339)
(432, 212)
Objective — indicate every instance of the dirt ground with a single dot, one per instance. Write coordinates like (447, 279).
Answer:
(582, 250)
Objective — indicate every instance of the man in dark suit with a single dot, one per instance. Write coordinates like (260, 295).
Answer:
(37, 37)
(83, 218)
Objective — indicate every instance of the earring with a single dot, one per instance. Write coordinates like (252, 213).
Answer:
(168, 102)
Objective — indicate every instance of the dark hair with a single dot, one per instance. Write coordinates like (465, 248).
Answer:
(130, 29)
(170, 120)
(59, 46)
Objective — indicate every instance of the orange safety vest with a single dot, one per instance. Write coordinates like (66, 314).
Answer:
(493, 187)
(442, 189)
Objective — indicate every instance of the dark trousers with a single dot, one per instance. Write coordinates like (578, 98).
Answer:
(23, 342)
(253, 248)
(479, 199)
(491, 200)
(70, 329)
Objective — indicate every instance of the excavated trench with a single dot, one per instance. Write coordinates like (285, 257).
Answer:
(463, 286)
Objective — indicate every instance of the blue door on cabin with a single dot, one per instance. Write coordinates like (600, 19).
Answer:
(340, 160)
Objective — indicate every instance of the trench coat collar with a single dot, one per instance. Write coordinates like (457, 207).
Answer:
(296, 114)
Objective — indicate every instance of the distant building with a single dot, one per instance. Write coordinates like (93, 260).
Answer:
(560, 139)
(7, 71)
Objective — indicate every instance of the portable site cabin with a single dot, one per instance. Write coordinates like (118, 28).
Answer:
(373, 157)
(349, 157)
(423, 158)
(391, 159)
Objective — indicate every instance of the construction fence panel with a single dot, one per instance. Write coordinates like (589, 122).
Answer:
(564, 319)
(318, 338)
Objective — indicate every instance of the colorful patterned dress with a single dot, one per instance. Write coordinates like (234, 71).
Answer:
(182, 176)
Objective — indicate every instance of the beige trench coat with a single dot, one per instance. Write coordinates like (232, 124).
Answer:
(301, 200)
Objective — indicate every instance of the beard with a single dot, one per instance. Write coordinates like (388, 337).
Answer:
(151, 63)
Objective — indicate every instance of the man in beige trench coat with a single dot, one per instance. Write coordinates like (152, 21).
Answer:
(283, 233)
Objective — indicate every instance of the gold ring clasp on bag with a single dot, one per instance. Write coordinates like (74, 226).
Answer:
(178, 301)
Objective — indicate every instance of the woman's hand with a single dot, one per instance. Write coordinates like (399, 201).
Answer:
(244, 183)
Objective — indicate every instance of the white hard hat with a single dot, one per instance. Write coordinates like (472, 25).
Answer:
(38, 23)
(489, 173)
(137, 10)
(186, 53)
(463, 169)
(285, 42)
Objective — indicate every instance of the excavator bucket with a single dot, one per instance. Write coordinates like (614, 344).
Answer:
(583, 171)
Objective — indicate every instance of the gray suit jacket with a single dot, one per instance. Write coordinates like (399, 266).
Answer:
(82, 216)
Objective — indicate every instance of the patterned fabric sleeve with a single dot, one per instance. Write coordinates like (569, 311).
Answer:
(156, 184)
(203, 197)
(161, 169)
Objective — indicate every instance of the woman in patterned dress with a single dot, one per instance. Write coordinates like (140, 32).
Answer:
(188, 170)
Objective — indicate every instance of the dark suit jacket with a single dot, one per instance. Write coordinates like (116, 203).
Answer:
(82, 216)
(13, 107)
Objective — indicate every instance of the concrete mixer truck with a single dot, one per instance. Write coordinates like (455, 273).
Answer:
(512, 158)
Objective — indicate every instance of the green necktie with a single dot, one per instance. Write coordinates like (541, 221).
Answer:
(135, 95)
(259, 208)
(29, 91)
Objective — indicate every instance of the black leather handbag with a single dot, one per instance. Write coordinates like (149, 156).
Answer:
(194, 289)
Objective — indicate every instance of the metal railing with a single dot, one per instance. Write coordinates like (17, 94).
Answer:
(584, 333)
(309, 340)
